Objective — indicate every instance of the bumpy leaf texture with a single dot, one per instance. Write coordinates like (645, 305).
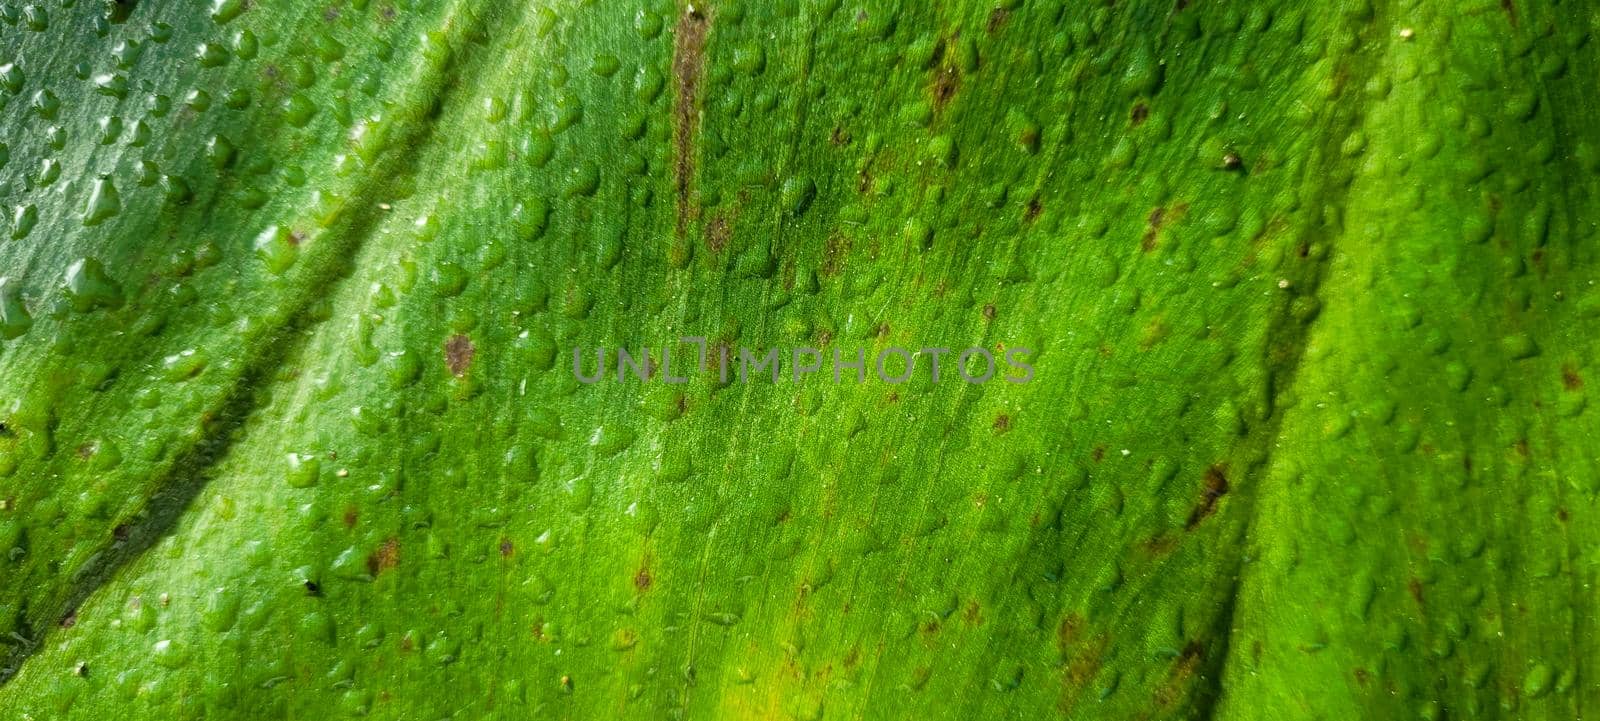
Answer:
(291, 291)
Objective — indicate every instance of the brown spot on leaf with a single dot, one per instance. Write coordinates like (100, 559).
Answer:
(946, 80)
(69, 620)
(458, 354)
(1414, 587)
(1183, 670)
(507, 548)
(1002, 423)
(833, 253)
(350, 517)
(1160, 218)
(973, 614)
(1570, 378)
(717, 234)
(997, 18)
(642, 578)
(988, 311)
(1033, 210)
(385, 558)
(688, 70)
(1510, 11)
(1139, 113)
(1081, 658)
(1216, 488)
(1098, 454)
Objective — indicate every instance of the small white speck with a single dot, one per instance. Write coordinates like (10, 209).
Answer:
(342, 473)
(1283, 282)
(1407, 33)
(1126, 453)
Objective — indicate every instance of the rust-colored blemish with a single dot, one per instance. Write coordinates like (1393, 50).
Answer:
(997, 19)
(1183, 670)
(688, 70)
(718, 234)
(458, 352)
(1216, 487)
(833, 253)
(1160, 218)
(946, 77)
(385, 558)
(1033, 210)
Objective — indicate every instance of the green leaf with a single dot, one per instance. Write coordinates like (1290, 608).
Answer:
(290, 294)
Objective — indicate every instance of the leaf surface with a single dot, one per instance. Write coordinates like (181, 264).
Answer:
(292, 292)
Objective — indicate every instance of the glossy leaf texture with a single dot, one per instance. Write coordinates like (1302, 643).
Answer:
(291, 290)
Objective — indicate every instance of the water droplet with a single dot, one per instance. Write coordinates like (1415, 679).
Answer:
(14, 317)
(278, 246)
(183, 365)
(46, 104)
(111, 85)
(220, 151)
(103, 202)
(23, 218)
(797, 194)
(89, 287)
(35, 18)
(583, 179)
(1519, 346)
(304, 470)
(211, 55)
(11, 78)
(1537, 682)
(298, 110)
